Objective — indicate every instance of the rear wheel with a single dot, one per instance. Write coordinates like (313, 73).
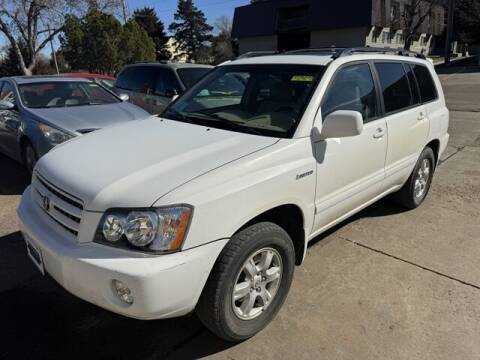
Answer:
(30, 157)
(412, 194)
(249, 282)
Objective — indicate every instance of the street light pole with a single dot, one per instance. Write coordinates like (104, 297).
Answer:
(54, 56)
(448, 40)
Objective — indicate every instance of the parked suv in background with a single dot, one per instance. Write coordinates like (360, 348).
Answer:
(153, 85)
(210, 206)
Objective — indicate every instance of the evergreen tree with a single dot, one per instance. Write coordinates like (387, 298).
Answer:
(99, 43)
(136, 44)
(191, 30)
(149, 21)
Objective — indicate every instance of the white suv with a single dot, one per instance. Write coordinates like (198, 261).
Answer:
(210, 206)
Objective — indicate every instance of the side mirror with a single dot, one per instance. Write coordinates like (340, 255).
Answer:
(6, 105)
(170, 93)
(124, 97)
(339, 124)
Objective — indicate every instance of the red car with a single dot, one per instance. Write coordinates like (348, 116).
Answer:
(105, 80)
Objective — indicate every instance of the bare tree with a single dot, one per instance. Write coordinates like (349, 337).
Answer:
(29, 25)
(415, 16)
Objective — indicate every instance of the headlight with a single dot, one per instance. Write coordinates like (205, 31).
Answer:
(160, 230)
(54, 136)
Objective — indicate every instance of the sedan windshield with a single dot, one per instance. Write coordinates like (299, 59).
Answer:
(64, 94)
(265, 100)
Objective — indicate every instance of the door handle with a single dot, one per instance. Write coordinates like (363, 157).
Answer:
(421, 115)
(380, 133)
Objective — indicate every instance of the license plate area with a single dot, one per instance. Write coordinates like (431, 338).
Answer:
(35, 254)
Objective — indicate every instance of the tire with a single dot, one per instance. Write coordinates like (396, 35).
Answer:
(30, 156)
(216, 308)
(410, 195)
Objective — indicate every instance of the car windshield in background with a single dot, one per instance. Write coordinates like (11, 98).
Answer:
(108, 83)
(64, 94)
(190, 76)
(265, 100)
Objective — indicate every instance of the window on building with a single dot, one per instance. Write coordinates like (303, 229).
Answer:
(386, 39)
(399, 38)
(352, 89)
(395, 86)
(428, 90)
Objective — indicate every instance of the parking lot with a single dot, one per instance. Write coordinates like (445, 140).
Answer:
(386, 284)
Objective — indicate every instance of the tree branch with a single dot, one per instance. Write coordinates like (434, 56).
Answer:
(48, 38)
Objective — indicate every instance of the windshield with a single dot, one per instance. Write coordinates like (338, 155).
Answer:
(265, 100)
(108, 83)
(64, 94)
(190, 76)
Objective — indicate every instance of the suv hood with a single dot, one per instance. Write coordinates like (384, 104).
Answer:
(134, 164)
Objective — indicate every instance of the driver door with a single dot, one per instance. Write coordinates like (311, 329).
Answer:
(350, 170)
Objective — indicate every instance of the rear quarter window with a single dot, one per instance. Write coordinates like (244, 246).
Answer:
(428, 90)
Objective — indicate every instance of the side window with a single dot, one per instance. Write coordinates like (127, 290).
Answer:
(413, 84)
(137, 78)
(428, 91)
(166, 82)
(7, 93)
(352, 88)
(395, 86)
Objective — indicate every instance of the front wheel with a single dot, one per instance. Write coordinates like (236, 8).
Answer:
(412, 194)
(248, 283)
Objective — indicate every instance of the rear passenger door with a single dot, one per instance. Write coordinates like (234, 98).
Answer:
(406, 119)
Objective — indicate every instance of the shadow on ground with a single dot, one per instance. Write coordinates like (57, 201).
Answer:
(14, 178)
(40, 320)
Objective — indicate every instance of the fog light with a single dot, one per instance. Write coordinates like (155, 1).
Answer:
(123, 292)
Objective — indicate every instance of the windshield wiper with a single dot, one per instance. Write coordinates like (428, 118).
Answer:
(231, 125)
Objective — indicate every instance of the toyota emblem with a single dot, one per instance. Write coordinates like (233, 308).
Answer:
(46, 203)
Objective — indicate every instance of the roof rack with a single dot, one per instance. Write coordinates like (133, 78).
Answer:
(401, 52)
(335, 52)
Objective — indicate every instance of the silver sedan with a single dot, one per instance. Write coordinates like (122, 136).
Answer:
(39, 112)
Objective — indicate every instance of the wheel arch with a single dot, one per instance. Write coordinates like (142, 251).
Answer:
(435, 146)
(290, 218)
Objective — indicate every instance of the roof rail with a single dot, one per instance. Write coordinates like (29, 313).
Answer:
(335, 52)
(251, 54)
(401, 52)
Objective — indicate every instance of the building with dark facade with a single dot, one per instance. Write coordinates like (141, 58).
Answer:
(292, 24)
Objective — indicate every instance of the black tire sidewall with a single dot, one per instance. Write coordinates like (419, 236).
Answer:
(279, 240)
(427, 153)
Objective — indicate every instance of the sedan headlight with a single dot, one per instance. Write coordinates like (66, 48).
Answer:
(156, 230)
(54, 136)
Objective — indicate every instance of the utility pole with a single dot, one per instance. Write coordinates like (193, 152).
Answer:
(124, 10)
(54, 56)
(448, 40)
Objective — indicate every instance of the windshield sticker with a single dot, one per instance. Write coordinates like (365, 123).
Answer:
(302, 78)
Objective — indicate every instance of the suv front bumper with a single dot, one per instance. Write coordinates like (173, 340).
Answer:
(162, 286)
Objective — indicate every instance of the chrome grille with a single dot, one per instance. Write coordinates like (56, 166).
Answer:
(65, 209)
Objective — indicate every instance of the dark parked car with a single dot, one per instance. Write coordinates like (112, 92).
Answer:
(39, 112)
(153, 85)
